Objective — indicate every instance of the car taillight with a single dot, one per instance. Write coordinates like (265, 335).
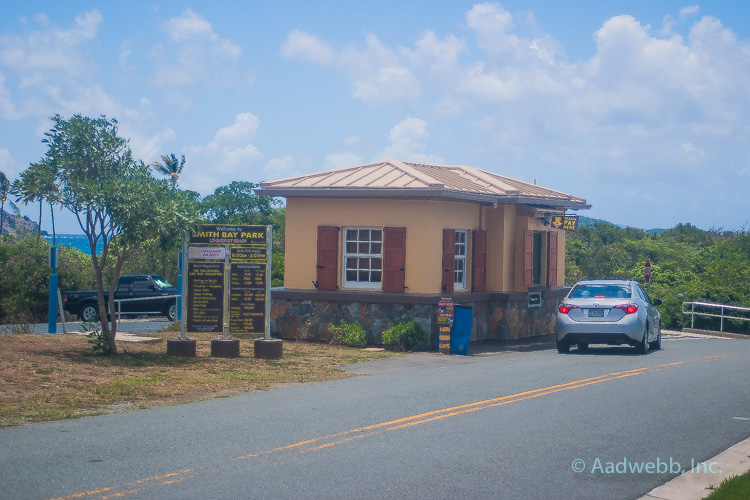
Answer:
(566, 308)
(628, 308)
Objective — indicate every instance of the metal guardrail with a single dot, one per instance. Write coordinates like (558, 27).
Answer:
(721, 314)
(119, 301)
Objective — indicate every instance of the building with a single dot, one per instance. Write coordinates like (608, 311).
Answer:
(386, 241)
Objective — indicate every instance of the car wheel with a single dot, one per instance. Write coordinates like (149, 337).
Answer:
(656, 344)
(642, 346)
(88, 313)
(172, 312)
(562, 347)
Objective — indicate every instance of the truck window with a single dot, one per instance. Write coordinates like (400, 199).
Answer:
(161, 282)
(141, 285)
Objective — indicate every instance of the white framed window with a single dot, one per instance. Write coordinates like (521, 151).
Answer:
(363, 257)
(459, 274)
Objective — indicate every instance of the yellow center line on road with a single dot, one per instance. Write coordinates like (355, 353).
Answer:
(330, 440)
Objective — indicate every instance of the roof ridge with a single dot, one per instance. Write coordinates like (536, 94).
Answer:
(421, 176)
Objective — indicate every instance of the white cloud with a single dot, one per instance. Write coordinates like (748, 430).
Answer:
(8, 165)
(196, 56)
(377, 74)
(407, 144)
(229, 156)
(301, 45)
(689, 11)
(189, 25)
(279, 168)
(50, 50)
(439, 56)
(52, 71)
(85, 28)
(691, 152)
(7, 107)
(352, 140)
(341, 160)
(492, 25)
(148, 148)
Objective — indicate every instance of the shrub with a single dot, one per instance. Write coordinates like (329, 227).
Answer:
(99, 344)
(406, 336)
(351, 334)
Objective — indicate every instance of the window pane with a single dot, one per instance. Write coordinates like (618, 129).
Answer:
(459, 276)
(363, 256)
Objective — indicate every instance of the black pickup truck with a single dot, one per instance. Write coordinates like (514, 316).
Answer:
(159, 292)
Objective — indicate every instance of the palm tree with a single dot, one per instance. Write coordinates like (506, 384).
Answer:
(170, 167)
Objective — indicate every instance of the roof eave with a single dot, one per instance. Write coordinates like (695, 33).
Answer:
(432, 193)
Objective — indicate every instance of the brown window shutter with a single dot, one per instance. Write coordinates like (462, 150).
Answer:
(552, 259)
(479, 261)
(394, 259)
(328, 256)
(449, 260)
(528, 258)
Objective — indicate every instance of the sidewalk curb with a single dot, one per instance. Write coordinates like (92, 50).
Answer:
(691, 485)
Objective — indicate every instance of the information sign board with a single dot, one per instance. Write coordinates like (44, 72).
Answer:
(205, 297)
(242, 299)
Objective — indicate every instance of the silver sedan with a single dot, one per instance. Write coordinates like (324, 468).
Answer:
(610, 312)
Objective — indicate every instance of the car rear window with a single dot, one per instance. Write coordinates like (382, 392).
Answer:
(600, 292)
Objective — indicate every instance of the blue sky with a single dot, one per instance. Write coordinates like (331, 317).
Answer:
(642, 108)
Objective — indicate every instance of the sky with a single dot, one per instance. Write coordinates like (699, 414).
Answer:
(642, 108)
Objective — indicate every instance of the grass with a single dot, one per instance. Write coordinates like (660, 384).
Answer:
(734, 488)
(54, 377)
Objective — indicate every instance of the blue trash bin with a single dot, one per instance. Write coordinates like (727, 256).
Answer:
(461, 330)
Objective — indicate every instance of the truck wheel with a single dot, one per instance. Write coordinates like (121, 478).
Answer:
(88, 312)
(172, 312)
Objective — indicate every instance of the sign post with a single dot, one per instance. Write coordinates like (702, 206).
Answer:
(182, 346)
(53, 284)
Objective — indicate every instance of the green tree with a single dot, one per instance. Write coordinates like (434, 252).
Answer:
(171, 167)
(37, 184)
(237, 203)
(116, 200)
(24, 287)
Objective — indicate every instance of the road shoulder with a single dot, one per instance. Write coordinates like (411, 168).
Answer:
(695, 484)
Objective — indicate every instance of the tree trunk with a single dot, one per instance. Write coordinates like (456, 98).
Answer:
(54, 234)
(39, 229)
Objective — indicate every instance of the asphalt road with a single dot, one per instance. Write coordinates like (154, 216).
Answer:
(495, 425)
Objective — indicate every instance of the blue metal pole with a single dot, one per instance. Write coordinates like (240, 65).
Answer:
(53, 284)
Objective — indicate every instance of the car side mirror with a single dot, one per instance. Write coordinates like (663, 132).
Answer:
(657, 302)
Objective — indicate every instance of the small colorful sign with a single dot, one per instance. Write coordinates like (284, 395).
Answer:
(566, 222)
(445, 314)
(207, 253)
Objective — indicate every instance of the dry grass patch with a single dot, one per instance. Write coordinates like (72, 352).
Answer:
(52, 377)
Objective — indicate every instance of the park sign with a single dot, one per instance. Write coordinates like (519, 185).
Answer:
(232, 235)
(227, 279)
